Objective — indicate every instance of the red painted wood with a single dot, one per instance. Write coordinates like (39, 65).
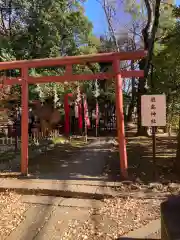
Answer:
(71, 78)
(101, 57)
(24, 122)
(84, 77)
(120, 119)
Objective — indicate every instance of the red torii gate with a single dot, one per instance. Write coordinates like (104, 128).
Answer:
(118, 74)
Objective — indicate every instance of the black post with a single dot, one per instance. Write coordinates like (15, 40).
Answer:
(154, 150)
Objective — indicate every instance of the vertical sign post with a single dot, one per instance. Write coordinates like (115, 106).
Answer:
(24, 122)
(153, 114)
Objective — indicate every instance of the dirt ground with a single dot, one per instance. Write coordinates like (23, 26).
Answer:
(75, 161)
(101, 161)
(140, 160)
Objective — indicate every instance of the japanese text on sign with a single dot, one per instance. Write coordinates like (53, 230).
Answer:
(153, 110)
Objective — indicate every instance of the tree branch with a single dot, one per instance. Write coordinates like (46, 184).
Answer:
(2, 20)
(107, 10)
(150, 30)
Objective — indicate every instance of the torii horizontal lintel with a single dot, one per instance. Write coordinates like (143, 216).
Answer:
(82, 59)
(71, 77)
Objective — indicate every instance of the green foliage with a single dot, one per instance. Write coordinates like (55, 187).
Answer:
(167, 22)
(167, 68)
(43, 29)
(47, 28)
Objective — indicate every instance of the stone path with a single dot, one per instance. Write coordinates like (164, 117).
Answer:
(64, 163)
(48, 218)
(150, 231)
(58, 170)
(46, 222)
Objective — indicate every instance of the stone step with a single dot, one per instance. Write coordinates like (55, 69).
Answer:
(63, 202)
(55, 188)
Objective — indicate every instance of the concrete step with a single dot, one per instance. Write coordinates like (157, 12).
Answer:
(56, 188)
(62, 202)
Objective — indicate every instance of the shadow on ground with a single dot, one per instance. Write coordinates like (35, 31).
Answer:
(100, 161)
(67, 162)
(140, 160)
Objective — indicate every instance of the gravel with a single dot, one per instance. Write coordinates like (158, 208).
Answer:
(116, 218)
(12, 212)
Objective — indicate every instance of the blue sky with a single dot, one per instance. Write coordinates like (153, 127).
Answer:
(97, 17)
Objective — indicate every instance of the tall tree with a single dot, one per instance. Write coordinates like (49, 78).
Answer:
(38, 29)
(174, 58)
(149, 34)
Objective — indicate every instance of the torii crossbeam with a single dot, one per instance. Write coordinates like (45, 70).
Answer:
(68, 76)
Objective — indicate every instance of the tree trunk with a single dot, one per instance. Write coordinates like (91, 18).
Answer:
(149, 33)
(141, 131)
(171, 118)
(169, 114)
(177, 160)
(130, 112)
(133, 98)
(150, 30)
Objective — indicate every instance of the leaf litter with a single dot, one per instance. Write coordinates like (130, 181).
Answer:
(12, 212)
(117, 217)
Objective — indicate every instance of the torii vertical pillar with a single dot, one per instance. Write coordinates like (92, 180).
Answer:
(120, 118)
(24, 122)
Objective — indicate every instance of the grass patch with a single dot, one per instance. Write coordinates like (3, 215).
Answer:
(58, 140)
(73, 142)
(78, 143)
(7, 156)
